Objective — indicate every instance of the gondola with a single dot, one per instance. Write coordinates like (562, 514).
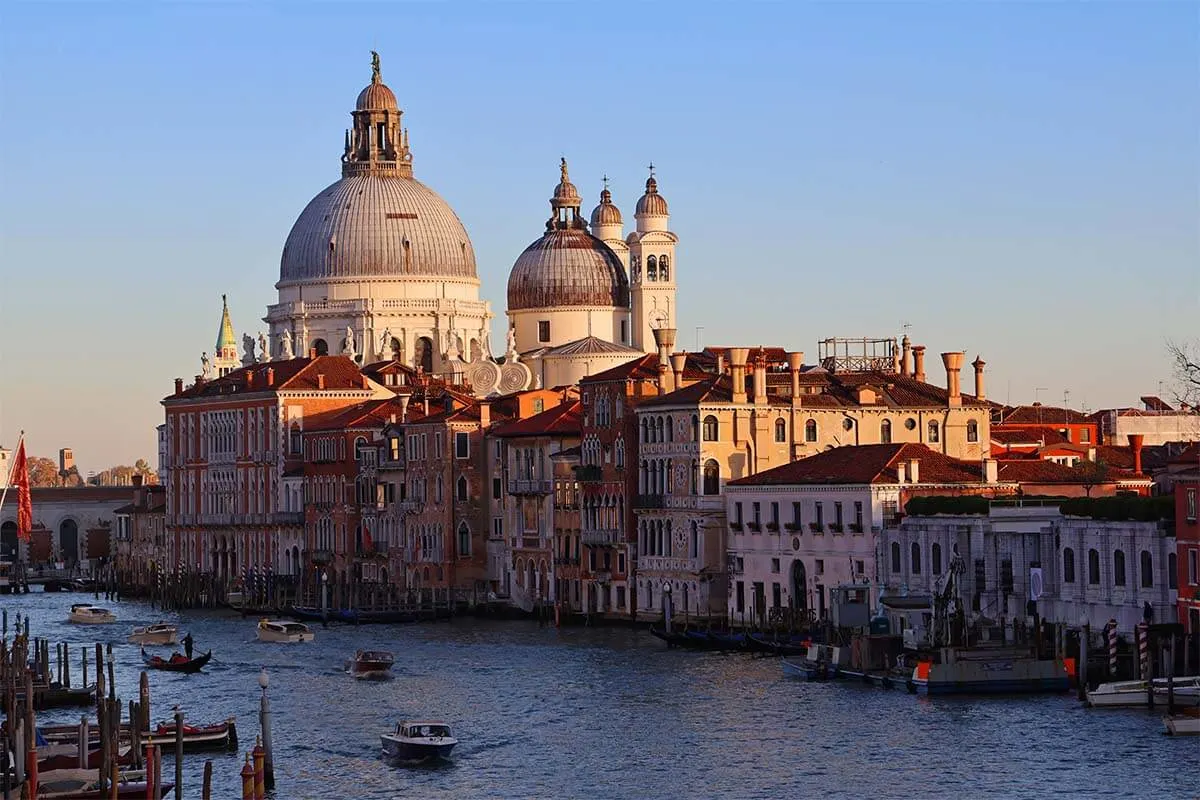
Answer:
(177, 662)
(794, 646)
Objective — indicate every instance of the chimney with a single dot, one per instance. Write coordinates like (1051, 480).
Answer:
(1135, 442)
(392, 419)
(900, 472)
(179, 386)
(978, 364)
(270, 376)
(914, 470)
(199, 380)
(737, 370)
(320, 380)
(953, 363)
(918, 354)
(404, 398)
(906, 356)
(759, 386)
(249, 379)
(139, 494)
(678, 363)
(795, 363)
(990, 470)
(312, 352)
(485, 413)
(366, 382)
(664, 339)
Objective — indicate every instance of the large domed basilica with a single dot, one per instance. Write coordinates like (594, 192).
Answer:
(379, 267)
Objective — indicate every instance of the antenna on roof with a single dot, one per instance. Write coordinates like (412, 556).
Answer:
(904, 326)
(1066, 398)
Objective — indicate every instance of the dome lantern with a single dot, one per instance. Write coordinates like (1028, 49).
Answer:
(377, 144)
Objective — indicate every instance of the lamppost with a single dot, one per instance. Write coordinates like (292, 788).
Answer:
(264, 722)
(1085, 631)
(667, 607)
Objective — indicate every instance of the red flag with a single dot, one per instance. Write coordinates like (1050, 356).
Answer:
(24, 502)
(368, 542)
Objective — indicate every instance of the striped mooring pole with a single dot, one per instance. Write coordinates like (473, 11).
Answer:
(1143, 650)
(1112, 649)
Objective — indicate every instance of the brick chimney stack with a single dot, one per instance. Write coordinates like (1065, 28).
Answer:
(270, 376)
(404, 399)
(320, 380)
(1135, 442)
(759, 386)
(249, 379)
(485, 413)
(664, 340)
(979, 364)
(179, 386)
(795, 363)
(737, 371)
(906, 356)
(953, 363)
(918, 354)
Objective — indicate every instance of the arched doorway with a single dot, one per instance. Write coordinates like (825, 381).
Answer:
(423, 354)
(799, 585)
(9, 546)
(320, 346)
(68, 541)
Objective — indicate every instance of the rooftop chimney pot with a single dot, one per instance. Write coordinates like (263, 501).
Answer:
(953, 362)
(1135, 442)
(179, 386)
(918, 353)
(979, 364)
(906, 356)
(320, 380)
(737, 371)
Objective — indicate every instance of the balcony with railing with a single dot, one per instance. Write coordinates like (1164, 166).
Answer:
(530, 486)
(643, 502)
(669, 564)
(600, 537)
(321, 557)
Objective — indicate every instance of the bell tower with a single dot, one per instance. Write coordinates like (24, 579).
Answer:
(651, 268)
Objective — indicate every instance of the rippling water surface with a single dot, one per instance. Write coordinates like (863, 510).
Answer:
(611, 713)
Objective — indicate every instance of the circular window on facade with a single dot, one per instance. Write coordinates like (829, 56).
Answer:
(848, 424)
(910, 424)
(795, 543)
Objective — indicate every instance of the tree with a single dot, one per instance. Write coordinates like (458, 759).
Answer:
(42, 471)
(1092, 474)
(1185, 365)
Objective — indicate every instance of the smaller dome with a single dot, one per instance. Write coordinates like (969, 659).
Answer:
(565, 194)
(376, 97)
(606, 213)
(652, 203)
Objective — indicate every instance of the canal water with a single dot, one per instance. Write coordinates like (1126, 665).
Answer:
(611, 713)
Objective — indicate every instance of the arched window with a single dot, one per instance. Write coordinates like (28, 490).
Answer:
(1119, 568)
(695, 428)
(711, 430)
(1068, 565)
(295, 442)
(972, 431)
(645, 430)
(664, 268)
(1172, 577)
(1147, 570)
(896, 558)
(915, 559)
(437, 490)
(810, 431)
(360, 447)
(321, 347)
(670, 430)
(1094, 567)
(461, 489)
(464, 540)
(885, 432)
(423, 354)
(712, 477)
(658, 429)
(780, 430)
(651, 268)
(933, 431)
(935, 558)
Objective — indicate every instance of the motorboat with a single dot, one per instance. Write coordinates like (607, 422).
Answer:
(988, 670)
(160, 633)
(418, 741)
(371, 665)
(1185, 724)
(284, 631)
(1135, 694)
(84, 784)
(178, 662)
(90, 615)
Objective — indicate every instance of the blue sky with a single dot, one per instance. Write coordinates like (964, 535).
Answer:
(1018, 180)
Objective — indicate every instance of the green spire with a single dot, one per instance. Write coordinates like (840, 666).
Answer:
(225, 337)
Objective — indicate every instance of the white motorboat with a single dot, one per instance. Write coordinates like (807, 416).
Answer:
(160, 633)
(90, 615)
(284, 631)
(418, 741)
(1135, 694)
(1185, 724)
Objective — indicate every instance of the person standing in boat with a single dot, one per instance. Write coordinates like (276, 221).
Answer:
(187, 645)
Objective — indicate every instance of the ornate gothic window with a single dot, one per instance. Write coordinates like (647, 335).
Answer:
(712, 478)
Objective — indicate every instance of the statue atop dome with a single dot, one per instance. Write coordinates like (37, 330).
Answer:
(375, 76)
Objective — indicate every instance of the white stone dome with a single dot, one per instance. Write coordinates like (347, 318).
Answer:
(378, 226)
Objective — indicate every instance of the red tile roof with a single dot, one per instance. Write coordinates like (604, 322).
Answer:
(865, 464)
(297, 374)
(645, 368)
(1026, 436)
(565, 419)
(1041, 471)
(713, 389)
(1043, 415)
(371, 414)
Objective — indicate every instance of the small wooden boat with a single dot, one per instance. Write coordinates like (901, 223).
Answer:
(66, 756)
(178, 662)
(371, 665)
(283, 631)
(159, 633)
(221, 736)
(90, 615)
(84, 784)
(1185, 724)
(418, 741)
(791, 646)
(1135, 694)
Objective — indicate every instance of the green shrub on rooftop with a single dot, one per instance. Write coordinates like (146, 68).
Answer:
(946, 504)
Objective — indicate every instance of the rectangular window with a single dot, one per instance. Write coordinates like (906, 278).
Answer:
(737, 513)
(1193, 557)
(621, 567)
(776, 595)
(858, 516)
(820, 515)
(741, 597)
(462, 445)
(497, 527)
(890, 510)
(1191, 505)
(1006, 576)
(757, 519)
(775, 566)
(819, 566)
(621, 589)
(1085, 435)
(796, 516)
(624, 331)
(775, 516)
(544, 330)
(495, 488)
(837, 515)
